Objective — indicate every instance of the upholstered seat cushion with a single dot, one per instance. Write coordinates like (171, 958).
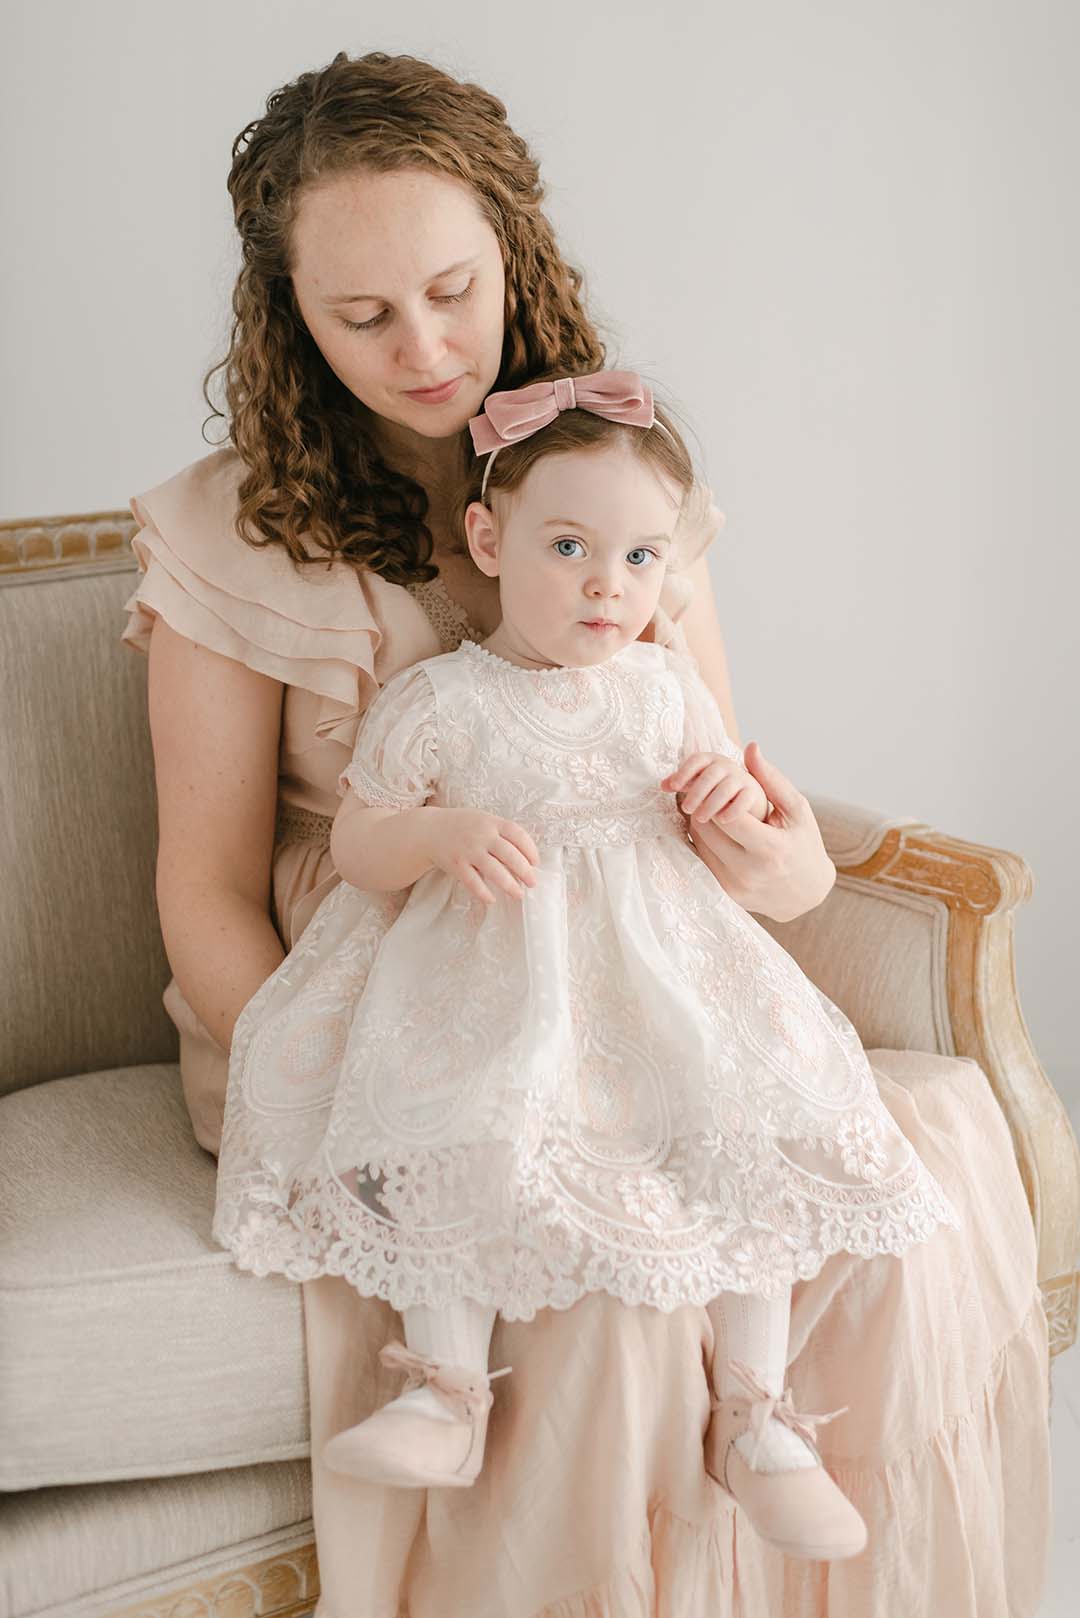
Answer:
(130, 1345)
(237, 1542)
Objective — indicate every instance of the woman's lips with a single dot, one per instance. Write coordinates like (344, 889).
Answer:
(439, 395)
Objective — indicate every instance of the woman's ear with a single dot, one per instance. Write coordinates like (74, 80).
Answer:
(483, 538)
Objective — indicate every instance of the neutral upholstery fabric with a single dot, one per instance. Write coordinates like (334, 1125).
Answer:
(130, 1345)
(889, 970)
(89, 1550)
(81, 958)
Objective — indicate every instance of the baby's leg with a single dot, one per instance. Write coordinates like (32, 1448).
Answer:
(459, 1334)
(432, 1435)
(755, 1330)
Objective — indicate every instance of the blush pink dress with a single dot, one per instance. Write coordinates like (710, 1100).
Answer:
(593, 1501)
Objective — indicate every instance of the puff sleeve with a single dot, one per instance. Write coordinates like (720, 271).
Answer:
(703, 723)
(395, 762)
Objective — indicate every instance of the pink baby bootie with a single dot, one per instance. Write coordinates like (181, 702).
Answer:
(802, 1511)
(408, 1448)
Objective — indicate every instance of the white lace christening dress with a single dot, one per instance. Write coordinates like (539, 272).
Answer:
(618, 1083)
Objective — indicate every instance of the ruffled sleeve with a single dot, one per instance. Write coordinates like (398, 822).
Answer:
(395, 763)
(334, 630)
(698, 526)
(703, 723)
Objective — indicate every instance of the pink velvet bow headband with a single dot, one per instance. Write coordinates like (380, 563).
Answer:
(519, 412)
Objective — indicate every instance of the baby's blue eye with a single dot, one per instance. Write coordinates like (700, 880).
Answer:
(639, 550)
(566, 542)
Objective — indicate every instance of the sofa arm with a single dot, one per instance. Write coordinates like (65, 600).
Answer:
(915, 945)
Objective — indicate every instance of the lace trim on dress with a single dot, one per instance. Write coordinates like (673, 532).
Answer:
(448, 618)
(371, 792)
(615, 825)
(296, 825)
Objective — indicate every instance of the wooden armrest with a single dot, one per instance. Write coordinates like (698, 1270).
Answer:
(915, 945)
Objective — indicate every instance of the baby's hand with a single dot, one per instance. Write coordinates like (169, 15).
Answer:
(714, 787)
(473, 846)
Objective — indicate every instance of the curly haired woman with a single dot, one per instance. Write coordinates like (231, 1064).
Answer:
(396, 268)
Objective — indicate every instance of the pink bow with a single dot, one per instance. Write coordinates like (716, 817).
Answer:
(767, 1404)
(519, 412)
(464, 1391)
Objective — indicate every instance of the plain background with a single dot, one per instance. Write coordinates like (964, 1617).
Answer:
(842, 237)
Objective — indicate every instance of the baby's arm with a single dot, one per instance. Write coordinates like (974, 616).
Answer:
(716, 787)
(378, 849)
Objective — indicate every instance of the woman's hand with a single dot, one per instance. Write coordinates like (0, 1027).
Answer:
(776, 867)
(478, 848)
(715, 787)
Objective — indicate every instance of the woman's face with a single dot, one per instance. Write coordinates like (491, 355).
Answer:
(399, 278)
(585, 537)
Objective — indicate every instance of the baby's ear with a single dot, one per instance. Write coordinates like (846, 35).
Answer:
(483, 538)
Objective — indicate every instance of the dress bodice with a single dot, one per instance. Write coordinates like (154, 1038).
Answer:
(574, 755)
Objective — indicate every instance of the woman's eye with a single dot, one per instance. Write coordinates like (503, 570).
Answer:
(380, 319)
(455, 297)
(364, 325)
(559, 542)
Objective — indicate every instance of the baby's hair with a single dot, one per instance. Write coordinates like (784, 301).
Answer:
(662, 447)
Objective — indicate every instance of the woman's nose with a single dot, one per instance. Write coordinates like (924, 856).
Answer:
(423, 345)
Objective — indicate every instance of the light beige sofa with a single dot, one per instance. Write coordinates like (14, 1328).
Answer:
(153, 1419)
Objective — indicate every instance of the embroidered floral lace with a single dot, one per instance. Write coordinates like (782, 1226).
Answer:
(620, 1083)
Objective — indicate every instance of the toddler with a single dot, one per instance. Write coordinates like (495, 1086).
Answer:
(529, 1048)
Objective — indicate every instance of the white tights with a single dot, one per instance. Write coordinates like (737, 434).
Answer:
(747, 1327)
(459, 1334)
(755, 1330)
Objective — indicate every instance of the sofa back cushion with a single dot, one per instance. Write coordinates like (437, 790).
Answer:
(82, 965)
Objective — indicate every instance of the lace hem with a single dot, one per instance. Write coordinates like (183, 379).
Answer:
(551, 1256)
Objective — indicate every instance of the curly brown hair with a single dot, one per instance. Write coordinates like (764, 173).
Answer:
(313, 479)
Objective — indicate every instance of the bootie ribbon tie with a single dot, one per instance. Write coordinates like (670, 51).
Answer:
(466, 1392)
(766, 1404)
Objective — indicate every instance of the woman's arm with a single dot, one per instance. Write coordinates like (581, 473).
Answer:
(779, 867)
(216, 728)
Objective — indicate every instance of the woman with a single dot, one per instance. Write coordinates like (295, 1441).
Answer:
(396, 268)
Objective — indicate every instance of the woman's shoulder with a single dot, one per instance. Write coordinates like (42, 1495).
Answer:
(189, 523)
(324, 625)
(210, 485)
(699, 523)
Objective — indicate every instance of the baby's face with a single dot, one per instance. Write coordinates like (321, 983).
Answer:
(582, 542)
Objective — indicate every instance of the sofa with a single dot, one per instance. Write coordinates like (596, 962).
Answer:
(153, 1409)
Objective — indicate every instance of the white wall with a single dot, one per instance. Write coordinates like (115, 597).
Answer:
(844, 236)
